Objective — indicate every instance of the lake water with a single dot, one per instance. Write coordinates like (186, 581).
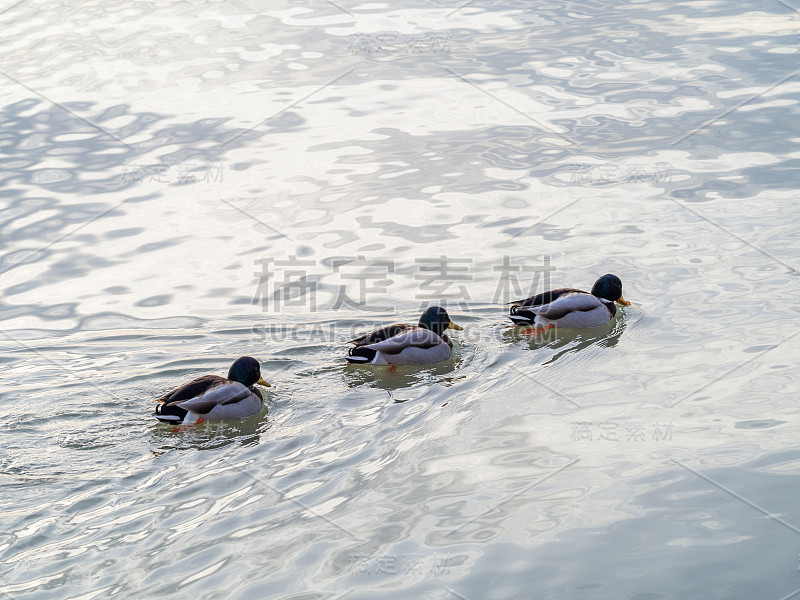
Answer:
(184, 183)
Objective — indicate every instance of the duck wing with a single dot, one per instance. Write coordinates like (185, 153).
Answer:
(416, 337)
(544, 297)
(229, 392)
(565, 304)
(382, 334)
(196, 387)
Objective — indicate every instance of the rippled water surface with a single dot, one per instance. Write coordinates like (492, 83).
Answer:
(184, 183)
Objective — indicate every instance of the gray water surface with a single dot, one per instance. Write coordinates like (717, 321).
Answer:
(184, 183)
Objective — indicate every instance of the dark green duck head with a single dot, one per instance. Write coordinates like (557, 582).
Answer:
(437, 320)
(247, 371)
(609, 287)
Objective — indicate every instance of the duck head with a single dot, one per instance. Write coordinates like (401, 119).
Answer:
(247, 371)
(437, 320)
(609, 287)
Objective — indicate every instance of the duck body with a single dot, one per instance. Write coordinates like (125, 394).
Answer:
(571, 308)
(214, 398)
(404, 344)
(574, 309)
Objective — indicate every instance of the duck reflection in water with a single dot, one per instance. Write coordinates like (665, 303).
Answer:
(564, 340)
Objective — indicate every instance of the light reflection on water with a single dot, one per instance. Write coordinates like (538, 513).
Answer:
(168, 166)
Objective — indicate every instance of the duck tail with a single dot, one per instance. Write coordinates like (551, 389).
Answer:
(521, 316)
(361, 355)
(170, 413)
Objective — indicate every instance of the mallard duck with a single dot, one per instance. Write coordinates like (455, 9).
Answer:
(403, 344)
(571, 308)
(214, 398)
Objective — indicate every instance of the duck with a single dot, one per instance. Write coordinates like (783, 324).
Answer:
(404, 344)
(215, 398)
(571, 308)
